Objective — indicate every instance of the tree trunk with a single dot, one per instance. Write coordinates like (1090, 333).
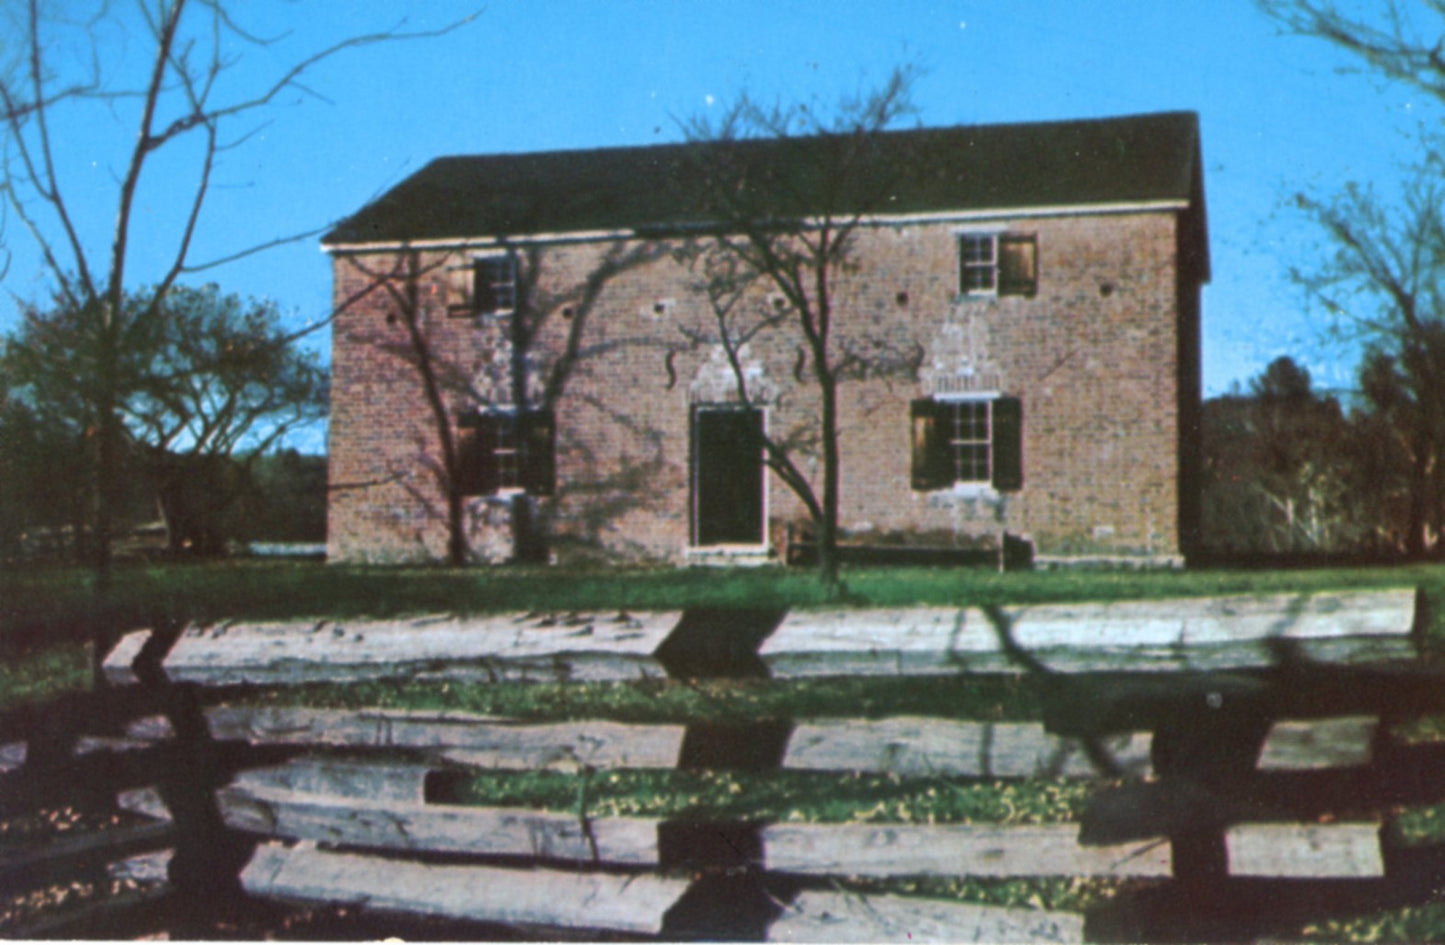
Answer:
(1416, 544)
(828, 527)
(457, 550)
(107, 477)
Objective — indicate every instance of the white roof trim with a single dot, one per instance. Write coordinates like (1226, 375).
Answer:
(874, 219)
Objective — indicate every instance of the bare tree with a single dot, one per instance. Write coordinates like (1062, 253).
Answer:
(179, 108)
(1401, 41)
(1384, 282)
(799, 256)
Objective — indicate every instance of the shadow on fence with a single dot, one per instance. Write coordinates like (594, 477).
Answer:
(743, 880)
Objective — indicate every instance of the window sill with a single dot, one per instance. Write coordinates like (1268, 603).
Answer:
(964, 297)
(501, 496)
(965, 490)
(729, 555)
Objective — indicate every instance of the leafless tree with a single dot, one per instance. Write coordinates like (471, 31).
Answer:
(799, 257)
(1402, 41)
(1383, 280)
(179, 109)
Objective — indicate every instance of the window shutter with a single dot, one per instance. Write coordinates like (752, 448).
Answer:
(537, 438)
(1018, 265)
(931, 466)
(477, 455)
(1008, 444)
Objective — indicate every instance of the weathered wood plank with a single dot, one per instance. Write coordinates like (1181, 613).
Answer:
(920, 746)
(953, 850)
(1305, 851)
(532, 898)
(1319, 743)
(266, 806)
(898, 641)
(816, 916)
(570, 745)
(491, 648)
(12, 756)
(145, 801)
(350, 780)
(153, 867)
(468, 738)
(117, 663)
(1169, 635)
(1338, 626)
(59, 860)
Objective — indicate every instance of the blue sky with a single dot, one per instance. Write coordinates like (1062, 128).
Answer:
(1278, 116)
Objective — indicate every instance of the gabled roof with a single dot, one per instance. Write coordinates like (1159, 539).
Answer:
(1100, 162)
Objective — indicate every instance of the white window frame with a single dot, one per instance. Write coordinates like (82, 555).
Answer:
(985, 237)
(973, 487)
(992, 237)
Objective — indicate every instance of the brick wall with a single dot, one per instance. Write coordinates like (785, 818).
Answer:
(1094, 357)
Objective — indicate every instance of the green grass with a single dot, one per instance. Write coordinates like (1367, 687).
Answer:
(989, 698)
(776, 796)
(48, 608)
(1423, 923)
(43, 673)
(62, 598)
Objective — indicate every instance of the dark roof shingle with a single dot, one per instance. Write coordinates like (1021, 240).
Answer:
(1064, 164)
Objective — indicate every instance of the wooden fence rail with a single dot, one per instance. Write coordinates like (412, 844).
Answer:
(910, 746)
(303, 804)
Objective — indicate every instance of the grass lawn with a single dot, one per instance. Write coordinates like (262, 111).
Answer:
(775, 796)
(46, 613)
(60, 600)
(991, 698)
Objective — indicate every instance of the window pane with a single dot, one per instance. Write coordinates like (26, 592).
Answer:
(494, 285)
(972, 421)
(973, 462)
(977, 249)
(969, 440)
(977, 264)
(978, 279)
(508, 468)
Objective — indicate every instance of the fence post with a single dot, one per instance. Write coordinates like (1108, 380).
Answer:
(1211, 743)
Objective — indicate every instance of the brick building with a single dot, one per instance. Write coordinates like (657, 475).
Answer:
(1024, 301)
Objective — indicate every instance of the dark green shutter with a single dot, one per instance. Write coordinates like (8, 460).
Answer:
(1018, 265)
(477, 455)
(932, 468)
(1008, 444)
(537, 438)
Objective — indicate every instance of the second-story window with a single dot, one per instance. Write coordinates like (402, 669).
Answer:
(494, 285)
(994, 264)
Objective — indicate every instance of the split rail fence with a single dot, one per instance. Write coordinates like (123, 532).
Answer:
(1248, 741)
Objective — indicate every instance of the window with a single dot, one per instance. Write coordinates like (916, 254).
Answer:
(494, 285)
(974, 441)
(998, 264)
(507, 451)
